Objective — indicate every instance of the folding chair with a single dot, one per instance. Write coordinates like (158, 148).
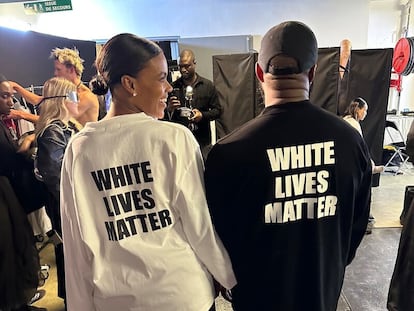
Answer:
(398, 157)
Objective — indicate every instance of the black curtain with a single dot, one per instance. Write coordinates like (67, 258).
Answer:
(369, 78)
(25, 55)
(239, 93)
(324, 89)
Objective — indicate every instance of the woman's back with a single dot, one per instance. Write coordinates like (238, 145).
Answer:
(141, 216)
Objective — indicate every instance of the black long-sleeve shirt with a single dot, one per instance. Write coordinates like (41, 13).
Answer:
(289, 194)
(205, 99)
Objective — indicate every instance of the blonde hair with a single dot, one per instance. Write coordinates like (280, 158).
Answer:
(52, 109)
(68, 57)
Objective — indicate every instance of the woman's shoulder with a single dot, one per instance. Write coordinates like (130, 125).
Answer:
(56, 128)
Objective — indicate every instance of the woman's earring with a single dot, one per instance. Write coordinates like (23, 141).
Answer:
(134, 94)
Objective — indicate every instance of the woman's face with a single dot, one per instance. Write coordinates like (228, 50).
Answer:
(362, 112)
(153, 87)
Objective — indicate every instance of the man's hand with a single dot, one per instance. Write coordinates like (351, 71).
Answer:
(15, 86)
(197, 116)
(15, 114)
(20, 114)
(173, 103)
(26, 143)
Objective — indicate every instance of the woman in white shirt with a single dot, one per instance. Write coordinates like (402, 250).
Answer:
(355, 113)
(137, 232)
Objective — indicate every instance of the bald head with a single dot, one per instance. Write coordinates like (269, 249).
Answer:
(187, 66)
(188, 54)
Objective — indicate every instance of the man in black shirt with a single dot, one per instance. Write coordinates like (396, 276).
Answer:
(199, 95)
(289, 191)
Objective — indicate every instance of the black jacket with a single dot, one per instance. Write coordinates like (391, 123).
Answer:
(205, 99)
(19, 171)
(51, 146)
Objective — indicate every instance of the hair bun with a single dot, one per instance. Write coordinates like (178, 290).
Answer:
(98, 85)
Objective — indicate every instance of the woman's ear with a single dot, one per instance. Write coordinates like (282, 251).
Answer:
(128, 83)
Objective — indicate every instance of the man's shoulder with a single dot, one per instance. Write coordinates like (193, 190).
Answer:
(201, 79)
(178, 83)
(86, 95)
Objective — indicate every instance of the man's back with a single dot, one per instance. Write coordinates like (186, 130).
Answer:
(289, 194)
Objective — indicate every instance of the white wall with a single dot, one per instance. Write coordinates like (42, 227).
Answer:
(332, 20)
(367, 23)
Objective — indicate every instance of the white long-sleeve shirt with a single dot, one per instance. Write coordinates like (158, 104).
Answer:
(354, 123)
(136, 227)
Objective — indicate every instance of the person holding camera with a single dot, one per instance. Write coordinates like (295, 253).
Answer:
(194, 101)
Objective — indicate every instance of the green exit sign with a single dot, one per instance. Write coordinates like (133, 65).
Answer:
(47, 6)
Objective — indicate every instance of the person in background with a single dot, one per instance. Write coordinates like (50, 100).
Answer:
(355, 113)
(197, 93)
(134, 214)
(344, 57)
(53, 132)
(68, 65)
(14, 163)
(289, 191)
(19, 258)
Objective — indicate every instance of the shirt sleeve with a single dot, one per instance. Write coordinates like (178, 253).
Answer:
(78, 262)
(362, 202)
(214, 108)
(197, 224)
(51, 147)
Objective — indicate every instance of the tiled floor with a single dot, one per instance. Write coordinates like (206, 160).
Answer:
(366, 279)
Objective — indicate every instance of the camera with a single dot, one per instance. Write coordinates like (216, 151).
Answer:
(175, 92)
(186, 112)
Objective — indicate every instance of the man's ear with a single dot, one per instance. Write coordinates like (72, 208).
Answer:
(259, 72)
(72, 69)
(311, 74)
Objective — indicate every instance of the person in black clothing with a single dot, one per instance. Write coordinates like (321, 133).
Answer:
(14, 164)
(19, 258)
(199, 95)
(53, 132)
(410, 143)
(289, 191)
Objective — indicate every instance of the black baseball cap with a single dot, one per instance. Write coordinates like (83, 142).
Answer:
(290, 38)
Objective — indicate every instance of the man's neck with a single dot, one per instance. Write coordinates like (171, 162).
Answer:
(286, 89)
(77, 81)
(190, 81)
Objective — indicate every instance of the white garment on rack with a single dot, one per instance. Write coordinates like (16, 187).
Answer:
(23, 125)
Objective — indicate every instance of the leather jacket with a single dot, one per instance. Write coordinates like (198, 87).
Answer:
(51, 146)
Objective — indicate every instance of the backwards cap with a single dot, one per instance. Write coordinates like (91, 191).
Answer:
(292, 39)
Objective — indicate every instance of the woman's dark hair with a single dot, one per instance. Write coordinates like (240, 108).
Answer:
(98, 85)
(123, 54)
(358, 102)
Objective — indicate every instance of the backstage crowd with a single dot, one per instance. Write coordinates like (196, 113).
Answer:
(145, 214)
